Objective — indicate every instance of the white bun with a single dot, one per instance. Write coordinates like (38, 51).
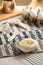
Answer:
(38, 8)
(25, 13)
(30, 6)
(33, 13)
(40, 16)
(28, 48)
(29, 12)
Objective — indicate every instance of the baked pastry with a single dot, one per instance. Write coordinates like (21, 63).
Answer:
(1, 8)
(40, 17)
(38, 9)
(33, 13)
(28, 45)
(25, 13)
(8, 6)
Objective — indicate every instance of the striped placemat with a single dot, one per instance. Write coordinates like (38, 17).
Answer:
(9, 49)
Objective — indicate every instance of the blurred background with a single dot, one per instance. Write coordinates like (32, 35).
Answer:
(20, 2)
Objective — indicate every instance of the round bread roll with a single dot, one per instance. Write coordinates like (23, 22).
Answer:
(38, 9)
(40, 16)
(33, 13)
(29, 7)
(25, 13)
(28, 45)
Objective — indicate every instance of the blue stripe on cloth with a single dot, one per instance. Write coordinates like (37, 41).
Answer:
(32, 35)
(11, 33)
(6, 38)
(25, 35)
(39, 35)
(1, 41)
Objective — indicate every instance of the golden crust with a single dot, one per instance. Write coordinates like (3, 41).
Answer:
(6, 8)
(1, 9)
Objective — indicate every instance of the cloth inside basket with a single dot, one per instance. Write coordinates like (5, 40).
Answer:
(10, 49)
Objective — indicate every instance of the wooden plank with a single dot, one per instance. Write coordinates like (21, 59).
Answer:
(23, 2)
(4, 16)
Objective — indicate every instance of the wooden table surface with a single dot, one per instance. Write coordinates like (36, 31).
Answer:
(4, 16)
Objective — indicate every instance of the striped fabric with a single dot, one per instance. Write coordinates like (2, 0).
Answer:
(8, 49)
